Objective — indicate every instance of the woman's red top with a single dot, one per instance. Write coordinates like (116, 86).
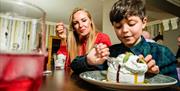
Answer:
(101, 38)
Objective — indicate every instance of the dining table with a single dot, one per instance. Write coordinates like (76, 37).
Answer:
(67, 80)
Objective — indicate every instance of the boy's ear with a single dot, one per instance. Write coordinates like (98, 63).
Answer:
(144, 22)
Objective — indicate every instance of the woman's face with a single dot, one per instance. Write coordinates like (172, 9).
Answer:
(129, 30)
(82, 23)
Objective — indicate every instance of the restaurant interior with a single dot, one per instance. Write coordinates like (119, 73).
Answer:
(27, 25)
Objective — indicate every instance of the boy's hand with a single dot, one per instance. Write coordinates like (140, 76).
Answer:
(98, 54)
(151, 63)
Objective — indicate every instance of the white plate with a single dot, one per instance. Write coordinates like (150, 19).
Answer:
(155, 82)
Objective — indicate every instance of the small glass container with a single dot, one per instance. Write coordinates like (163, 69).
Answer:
(22, 45)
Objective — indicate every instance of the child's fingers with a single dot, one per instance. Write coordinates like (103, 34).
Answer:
(154, 69)
(151, 63)
(148, 58)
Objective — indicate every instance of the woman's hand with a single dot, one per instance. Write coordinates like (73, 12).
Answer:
(98, 54)
(151, 63)
(61, 30)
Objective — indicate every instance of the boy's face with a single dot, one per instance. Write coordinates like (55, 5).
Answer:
(129, 30)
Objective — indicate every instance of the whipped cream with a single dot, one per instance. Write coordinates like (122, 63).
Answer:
(130, 65)
(126, 68)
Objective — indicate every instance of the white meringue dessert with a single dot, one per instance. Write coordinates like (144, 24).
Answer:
(127, 68)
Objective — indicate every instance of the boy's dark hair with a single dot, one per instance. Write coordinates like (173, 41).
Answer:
(125, 8)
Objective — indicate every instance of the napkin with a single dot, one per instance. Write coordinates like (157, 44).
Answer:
(166, 24)
(174, 23)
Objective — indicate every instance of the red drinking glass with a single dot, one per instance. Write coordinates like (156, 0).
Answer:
(22, 46)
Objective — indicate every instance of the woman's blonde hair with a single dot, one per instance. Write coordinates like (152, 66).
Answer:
(73, 37)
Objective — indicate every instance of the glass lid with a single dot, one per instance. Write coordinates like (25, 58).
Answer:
(20, 8)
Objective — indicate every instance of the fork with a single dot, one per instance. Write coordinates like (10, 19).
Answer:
(110, 60)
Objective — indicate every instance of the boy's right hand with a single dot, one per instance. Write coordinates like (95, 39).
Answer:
(61, 30)
(98, 54)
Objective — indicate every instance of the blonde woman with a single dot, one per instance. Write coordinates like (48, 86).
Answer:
(82, 36)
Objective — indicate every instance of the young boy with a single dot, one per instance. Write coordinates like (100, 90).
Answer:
(128, 19)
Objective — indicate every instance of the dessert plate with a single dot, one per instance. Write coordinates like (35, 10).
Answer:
(154, 82)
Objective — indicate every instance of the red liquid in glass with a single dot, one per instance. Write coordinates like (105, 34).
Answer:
(21, 72)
